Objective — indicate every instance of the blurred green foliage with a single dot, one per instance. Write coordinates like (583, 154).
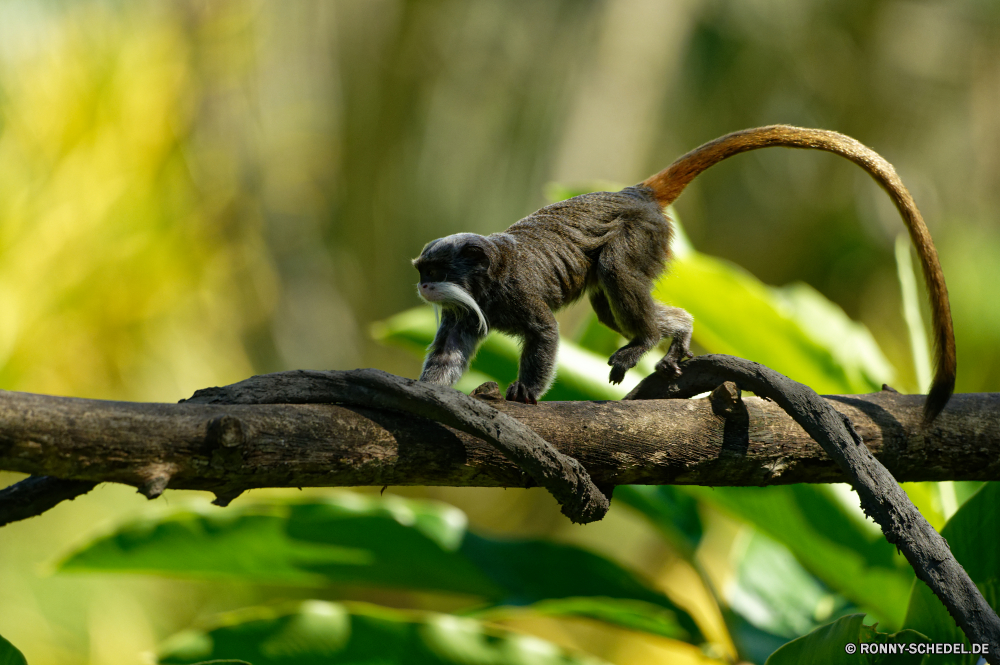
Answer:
(318, 633)
(966, 533)
(384, 542)
(194, 192)
(124, 270)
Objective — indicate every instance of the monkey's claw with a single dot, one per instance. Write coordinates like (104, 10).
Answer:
(518, 392)
(668, 366)
(617, 374)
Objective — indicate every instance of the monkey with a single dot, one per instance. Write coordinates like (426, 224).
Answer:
(612, 246)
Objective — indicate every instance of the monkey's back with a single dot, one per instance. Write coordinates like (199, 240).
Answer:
(559, 247)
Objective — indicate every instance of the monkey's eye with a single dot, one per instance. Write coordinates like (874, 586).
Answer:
(432, 275)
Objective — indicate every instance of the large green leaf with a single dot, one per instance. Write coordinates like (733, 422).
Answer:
(793, 330)
(534, 570)
(972, 535)
(9, 655)
(379, 541)
(320, 633)
(633, 614)
(670, 509)
(831, 543)
(848, 641)
(775, 593)
(256, 542)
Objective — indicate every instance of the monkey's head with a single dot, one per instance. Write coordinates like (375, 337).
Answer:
(454, 270)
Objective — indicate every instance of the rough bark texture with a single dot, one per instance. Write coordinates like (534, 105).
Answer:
(563, 476)
(36, 494)
(630, 442)
(881, 496)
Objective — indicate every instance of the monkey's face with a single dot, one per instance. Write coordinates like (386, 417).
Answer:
(461, 260)
(453, 271)
(434, 284)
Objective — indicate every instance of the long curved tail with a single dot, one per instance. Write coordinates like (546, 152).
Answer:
(668, 184)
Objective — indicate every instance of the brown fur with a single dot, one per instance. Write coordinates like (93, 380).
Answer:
(613, 246)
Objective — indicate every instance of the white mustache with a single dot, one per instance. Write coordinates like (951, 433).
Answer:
(453, 294)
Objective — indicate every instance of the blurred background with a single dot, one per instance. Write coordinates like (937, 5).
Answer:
(194, 192)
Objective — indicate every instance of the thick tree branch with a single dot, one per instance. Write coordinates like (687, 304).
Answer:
(325, 445)
(563, 476)
(881, 496)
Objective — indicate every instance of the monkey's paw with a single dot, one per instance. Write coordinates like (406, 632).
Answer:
(623, 360)
(669, 366)
(518, 392)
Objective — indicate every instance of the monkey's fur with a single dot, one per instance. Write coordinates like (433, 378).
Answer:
(612, 246)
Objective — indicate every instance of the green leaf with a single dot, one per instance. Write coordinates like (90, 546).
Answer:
(850, 557)
(632, 614)
(361, 540)
(385, 541)
(774, 592)
(9, 655)
(972, 535)
(323, 633)
(672, 511)
(831, 644)
(534, 570)
(793, 330)
(919, 348)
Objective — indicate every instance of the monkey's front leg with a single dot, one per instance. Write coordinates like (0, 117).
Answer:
(538, 361)
(452, 349)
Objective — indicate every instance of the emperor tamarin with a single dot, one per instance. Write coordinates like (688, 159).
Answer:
(612, 246)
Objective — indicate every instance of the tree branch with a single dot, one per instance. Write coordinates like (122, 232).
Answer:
(881, 496)
(563, 476)
(629, 442)
(36, 494)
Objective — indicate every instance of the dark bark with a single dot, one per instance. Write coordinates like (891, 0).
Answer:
(881, 496)
(566, 479)
(629, 442)
(36, 494)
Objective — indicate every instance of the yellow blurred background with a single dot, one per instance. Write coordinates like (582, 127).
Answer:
(192, 192)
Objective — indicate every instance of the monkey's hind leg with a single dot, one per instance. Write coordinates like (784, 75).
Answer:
(602, 309)
(678, 324)
(631, 313)
(672, 322)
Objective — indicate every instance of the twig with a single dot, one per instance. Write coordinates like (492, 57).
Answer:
(36, 494)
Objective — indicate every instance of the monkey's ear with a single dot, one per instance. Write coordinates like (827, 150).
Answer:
(477, 252)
